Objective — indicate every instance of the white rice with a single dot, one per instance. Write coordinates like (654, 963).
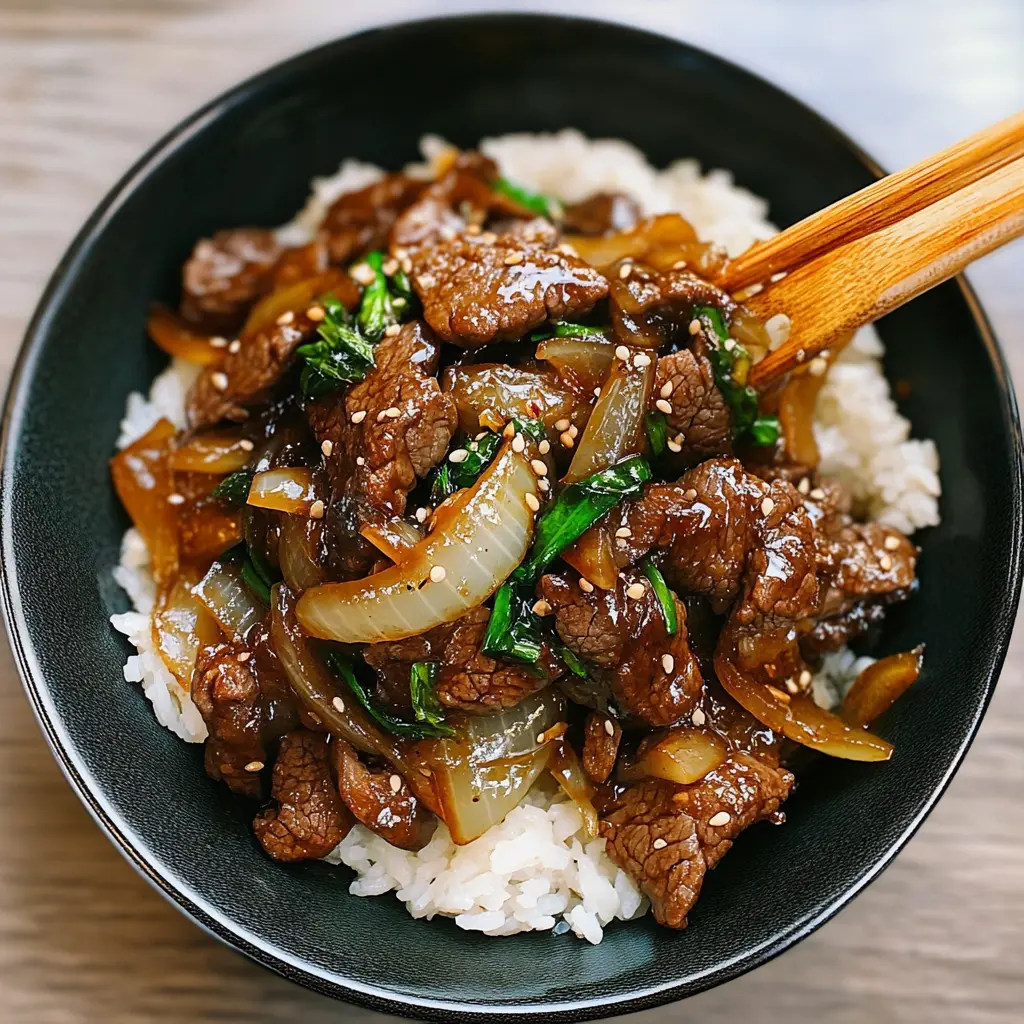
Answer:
(537, 870)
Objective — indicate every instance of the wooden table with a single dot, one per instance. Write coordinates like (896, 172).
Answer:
(84, 88)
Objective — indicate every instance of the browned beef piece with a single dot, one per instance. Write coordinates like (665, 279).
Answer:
(469, 680)
(478, 289)
(225, 275)
(302, 263)
(653, 675)
(360, 221)
(663, 836)
(382, 801)
(699, 418)
(601, 738)
(309, 819)
(600, 213)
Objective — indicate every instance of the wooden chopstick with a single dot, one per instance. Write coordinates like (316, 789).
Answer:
(850, 286)
(879, 205)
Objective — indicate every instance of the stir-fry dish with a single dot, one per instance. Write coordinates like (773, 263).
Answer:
(474, 494)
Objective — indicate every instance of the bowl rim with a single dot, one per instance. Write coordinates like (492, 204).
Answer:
(191, 903)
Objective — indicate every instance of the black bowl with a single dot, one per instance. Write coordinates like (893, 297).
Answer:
(248, 158)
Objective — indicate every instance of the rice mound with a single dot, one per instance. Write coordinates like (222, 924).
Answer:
(537, 870)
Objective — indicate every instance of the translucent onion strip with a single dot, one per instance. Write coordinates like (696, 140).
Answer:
(283, 490)
(215, 451)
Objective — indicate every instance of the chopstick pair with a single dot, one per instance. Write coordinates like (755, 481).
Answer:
(863, 256)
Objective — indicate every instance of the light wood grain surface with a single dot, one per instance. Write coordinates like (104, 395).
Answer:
(84, 88)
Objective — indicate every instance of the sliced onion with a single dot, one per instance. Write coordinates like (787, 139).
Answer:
(215, 451)
(227, 598)
(584, 361)
(144, 481)
(297, 553)
(682, 755)
(616, 427)
(880, 685)
(797, 718)
(283, 490)
(593, 557)
(479, 538)
(667, 232)
(392, 536)
(172, 334)
(796, 418)
(181, 625)
(566, 768)
(295, 297)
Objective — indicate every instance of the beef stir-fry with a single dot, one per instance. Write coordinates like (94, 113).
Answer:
(474, 493)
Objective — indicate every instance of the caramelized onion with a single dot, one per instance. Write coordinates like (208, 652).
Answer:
(796, 418)
(297, 553)
(283, 490)
(215, 451)
(295, 297)
(682, 755)
(480, 537)
(566, 768)
(392, 536)
(585, 362)
(227, 598)
(880, 685)
(593, 557)
(181, 625)
(172, 334)
(668, 233)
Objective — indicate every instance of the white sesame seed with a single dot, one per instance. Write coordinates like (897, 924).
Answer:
(437, 573)
(609, 727)
(390, 267)
(566, 439)
(421, 515)
(219, 342)
(817, 366)
(674, 446)
(219, 380)
(679, 265)
(459, 455)
(406, 265)
(339, 704)
(817, 494)
(382, 415)
(540, 468)
(694, 326)
(766, 507)
(544, 447)
(473, 229)
(235, 347)
(698, 718)
(363, 273)
(359, 416)
(254, 766)
(597, 392)
(395, 782)
(720, 819)
(243, 657)
(586, 586)
(885, 562)
(659, 844)
(175, 499)
(573, 430)
(285, 318)
(729, 344)
(426, 281)
(666, 389)
(393, 413)
(540, 737)
(246, 445)
(668, 663)
(805, 678)
(327, 447)
(513, 258)
(620, 543)
(804, 486)
(488, 238)
(791, 686)
(360, 461)
(392, 330)
(532, 502)
(518, 443)
(561, 425)
(541, 608)
(635, 591)
(621, 352)
(662, 406)
(625, 270)
(623, 531)
(891, 543)
(544, 485)
(690, 495)
(316, 510)
(641, 359)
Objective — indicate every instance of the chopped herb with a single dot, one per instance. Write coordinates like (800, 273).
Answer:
(535, 202)
(663, 594)
(254, 580)
(342, 354)
(450, 476)
(729, 366)
(377, 311)
(570, 659)
(561, 329)
(401, 286)
(342, 669)
(657, 432)
(423, 691)
(233, 490)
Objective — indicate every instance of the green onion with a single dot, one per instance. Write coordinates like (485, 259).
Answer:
(376, 311)
(233, 490)
(341, 667)
(255, 581)
(663, 594)
(535, 202)
(423, 692)
(514, 628)
(765, 430)
(342, 354)
(657, 432)
(450, 477)
(561, 329)
(572, 661)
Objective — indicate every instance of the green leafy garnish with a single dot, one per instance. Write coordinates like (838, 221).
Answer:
(451, 476)
(561, 329)
(741, 399)
(233, 490)
(341, 667)
(254, 580)
(657, 432)
(423, 691)
(513, 630)
(377, 311)
(535, 202)
(341, 355)
(663, 594)
(572, 661)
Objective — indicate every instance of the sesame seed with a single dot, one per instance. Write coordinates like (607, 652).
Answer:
(804, 486)
(659, 844)
(621, 352)
(573, 430)
(698, 717)
(382, 415)
(679, 265)
(690, 495)
(421, 515)
(766, 507)
(175, 499)
(891, 543)
(674, 446)
(791, 686)
(620, 543)
(246, 445)
(488, 238)
(437, 573)
(459, 455)
(540, 468)
(641, 360)
(518, 443)
(513, 258)
(635, 591)
(728, 344)
(544, 447)
(363, 273)
(219, 380)
(623, 531)
(339, 704)
(668, 662)
(447, 232)
(327, 447)
(720, 819)
(219, 342)
(358, 417)
(817, 494)
(586, 586)
(625, 270)
(805, 678)
(662, 406)
(406, 265)
(801, 355)
(544, 485)
(360, 461)
(694, 327)
(597, 392)
(396, 783)
(817, 367)
(393, 413)
(235, 347)
(778, 694)
(666, 389)
(254, 766)
(392, 330)
(541, 608)
(609, 727)
(566, 439)
(316, 510)
(885, 562)
(390, 267)
(426, 281)
(315, 313)
(473, 229)
(561, 425)
(540, 737)
(243, 657)
(532, 502)
(285, 318)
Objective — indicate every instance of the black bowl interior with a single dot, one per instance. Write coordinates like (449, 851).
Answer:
(248, 158)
